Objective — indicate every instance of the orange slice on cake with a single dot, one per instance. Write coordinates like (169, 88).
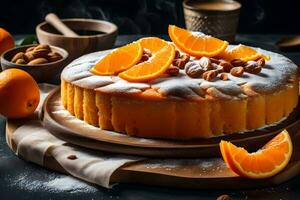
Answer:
(196, 44)
(119, 59)
(242, 52)
(152, 68)
(153, 44)
(266, 162)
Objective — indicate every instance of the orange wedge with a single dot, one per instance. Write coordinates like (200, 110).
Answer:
(153, 44)
(119, 59)
(152, 68)
(196, 44)
(242, 52)
(266, 162)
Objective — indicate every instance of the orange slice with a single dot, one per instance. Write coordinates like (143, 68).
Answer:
(242, 52)
(196, 44)
(266, 162)
(119, 59)
(153, 44)
(152, 68)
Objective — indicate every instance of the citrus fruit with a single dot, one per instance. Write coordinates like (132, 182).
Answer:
(196, 44)
(242, 52)
(6, 41)
(119, 60)
(152, 68)
(19, 94)
(153, 44)
(266, 162)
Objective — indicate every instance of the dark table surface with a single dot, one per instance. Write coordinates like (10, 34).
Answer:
(23, 180)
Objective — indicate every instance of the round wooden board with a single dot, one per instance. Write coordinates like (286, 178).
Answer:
(65, 126)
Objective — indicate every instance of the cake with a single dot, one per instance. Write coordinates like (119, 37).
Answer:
(178, 105)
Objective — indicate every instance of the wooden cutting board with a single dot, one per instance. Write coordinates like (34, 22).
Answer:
(209, 173)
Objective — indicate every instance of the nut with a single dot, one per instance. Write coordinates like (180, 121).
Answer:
(18, 56)
(237, 71)
(237, 62)
(205, 63)
(38, 61)
(72, 157)
(223, 76)
(194, 70)
(177, 54)
(43, 46)
(30, 49)
(53, 56)
(185, 58)
(40, 53)
(252, 67)
(20, 61)
(28, 56)
(224, 197)
(226, 65)
(215, 60)
(179, 63)
(172, 70)
(261, 62)
(209, 75)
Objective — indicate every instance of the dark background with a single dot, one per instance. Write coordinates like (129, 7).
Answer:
(147, 16)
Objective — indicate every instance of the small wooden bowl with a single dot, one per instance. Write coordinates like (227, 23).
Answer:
(78, 46)
(47, 73)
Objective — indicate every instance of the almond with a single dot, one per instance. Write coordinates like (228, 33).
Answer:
(20, 61)
(223, 76)
(30, 49)
(53, 56)
(194, 70)
(261, 62)
(215, 60)
(185, 58)
(18, 56)
(40, 53)
(38, 61)
(209, 75)
(253, 67)
(43, 46)
(179, 63)
(28, 56)
(172, 70)
(237, 63)
(227, 66)
(205, 63)
(237, 71)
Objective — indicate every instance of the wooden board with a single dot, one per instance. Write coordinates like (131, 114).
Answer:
(88, 136)
(210, 173)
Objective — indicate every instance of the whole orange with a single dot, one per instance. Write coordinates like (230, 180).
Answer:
(19, 94)
(6, 41)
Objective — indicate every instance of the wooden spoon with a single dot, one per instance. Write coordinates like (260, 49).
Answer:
(54, 20)
(288, 42)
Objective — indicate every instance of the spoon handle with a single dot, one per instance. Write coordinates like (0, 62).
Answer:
(53, 19)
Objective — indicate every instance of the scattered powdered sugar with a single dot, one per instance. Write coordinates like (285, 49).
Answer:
(50, 183)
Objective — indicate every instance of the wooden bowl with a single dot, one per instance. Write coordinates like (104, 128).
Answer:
(95, 35)
(48, 72)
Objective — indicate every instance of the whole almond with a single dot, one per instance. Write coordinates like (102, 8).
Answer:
(30, 49)
(172, 70)
(43, 46)
(209, 75)
(261, 62)
(223, 76)
(226, 65)
(215, 60)
(38, 61)
(237, 71)
(53, 56)
(253, 67)
(177, 54)
(17, 57)
(20, 61)
(185, 58)
(28, 56)
(179, 63)
(205, 63)
(40, 53)
(194, 70)
(237, 62)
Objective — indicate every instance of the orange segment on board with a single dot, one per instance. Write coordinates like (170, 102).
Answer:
(153, 44)
(151, 69)
(196, 44)
(265, 163)
(242, 52)
(119, 59)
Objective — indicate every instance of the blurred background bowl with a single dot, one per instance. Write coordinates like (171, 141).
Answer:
(42, 73)
(95, 35)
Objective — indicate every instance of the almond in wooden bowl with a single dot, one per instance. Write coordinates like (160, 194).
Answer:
(43, 62)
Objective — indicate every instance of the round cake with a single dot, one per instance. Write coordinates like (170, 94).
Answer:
(180, 106)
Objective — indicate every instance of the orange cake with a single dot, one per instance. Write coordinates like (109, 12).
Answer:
(179, 92)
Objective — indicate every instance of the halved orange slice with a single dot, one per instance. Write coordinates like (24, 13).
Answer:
(242, 52)
(196, 44)
(153, 44)
(152, 68)
(266, 162)
(119, 59)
